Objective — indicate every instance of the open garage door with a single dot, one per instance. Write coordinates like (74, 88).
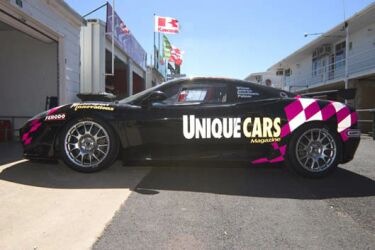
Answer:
(118, 83)
(138, 83)
(28, 74)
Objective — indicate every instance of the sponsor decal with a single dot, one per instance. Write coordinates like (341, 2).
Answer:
(92, 106)
(57, 117)
(245, 92)
(257, 129)
(54, 110)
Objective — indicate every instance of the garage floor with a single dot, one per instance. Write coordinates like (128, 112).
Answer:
(48, 206)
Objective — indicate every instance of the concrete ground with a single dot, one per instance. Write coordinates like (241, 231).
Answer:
(248, 208)
(48, 206)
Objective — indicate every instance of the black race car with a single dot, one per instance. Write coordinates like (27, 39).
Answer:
(198, 119)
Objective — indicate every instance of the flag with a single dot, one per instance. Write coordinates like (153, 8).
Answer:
(124, 28)
(176, 55)
(167, 47)
(166, 25)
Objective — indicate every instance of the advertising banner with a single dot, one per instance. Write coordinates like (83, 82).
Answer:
(124, 39)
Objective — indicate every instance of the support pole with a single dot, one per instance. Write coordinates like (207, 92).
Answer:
(113, 41)
(158, 47)
(154, 41)
(113, 36)
(346, 57)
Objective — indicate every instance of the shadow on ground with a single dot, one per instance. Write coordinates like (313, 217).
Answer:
(229, 179)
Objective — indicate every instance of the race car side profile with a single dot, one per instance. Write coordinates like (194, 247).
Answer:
(198, 119)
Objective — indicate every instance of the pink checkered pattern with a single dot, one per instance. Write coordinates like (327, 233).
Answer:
(305, 110)
(35, 125)
(279, 158)
(26, 138)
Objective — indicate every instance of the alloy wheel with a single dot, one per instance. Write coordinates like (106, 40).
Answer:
(316, 150)
(87, 144)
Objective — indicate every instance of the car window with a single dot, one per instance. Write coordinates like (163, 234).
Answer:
(205, 94)
(171, 91)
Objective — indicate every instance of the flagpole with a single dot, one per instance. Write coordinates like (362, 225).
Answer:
(158, 46)
(154, 42)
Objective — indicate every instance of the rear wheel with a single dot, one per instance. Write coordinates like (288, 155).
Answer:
(314, 151)
(88, 145)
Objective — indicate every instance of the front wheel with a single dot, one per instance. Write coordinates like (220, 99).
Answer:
(88, 145)
(314, 151)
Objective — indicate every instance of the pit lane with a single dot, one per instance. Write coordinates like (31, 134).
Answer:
(190, 207)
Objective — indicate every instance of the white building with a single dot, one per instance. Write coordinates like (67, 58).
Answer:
(153, 77)
(39, 56)
(271, 78)
(322, 64)
(96, 56)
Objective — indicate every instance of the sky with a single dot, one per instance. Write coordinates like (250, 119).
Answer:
(230, 38)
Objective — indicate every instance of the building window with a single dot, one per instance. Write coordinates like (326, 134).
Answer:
(288, 72)
(340, 55)
(315, 66)
(258, 78)
(280, 72)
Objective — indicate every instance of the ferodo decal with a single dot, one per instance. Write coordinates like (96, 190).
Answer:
(257, 129)
(92, 106)
(57, 117)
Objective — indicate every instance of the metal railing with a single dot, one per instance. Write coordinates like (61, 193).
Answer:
(372, 111)
(357, 63)
(13, 129)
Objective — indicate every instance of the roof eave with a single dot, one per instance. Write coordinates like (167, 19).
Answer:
(76, 17)
(324, 35)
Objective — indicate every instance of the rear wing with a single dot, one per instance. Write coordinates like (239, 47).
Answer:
(337, 94)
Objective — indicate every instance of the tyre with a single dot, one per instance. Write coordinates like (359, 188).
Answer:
(314, 151)
(88, 145)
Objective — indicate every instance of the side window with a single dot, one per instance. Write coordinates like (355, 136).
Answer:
(172, 93)
(203, 93)
(246, 93)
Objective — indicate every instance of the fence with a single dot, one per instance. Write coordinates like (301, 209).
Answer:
(357, 63)
(369, 121)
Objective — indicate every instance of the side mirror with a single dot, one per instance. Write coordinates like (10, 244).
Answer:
(156, 96)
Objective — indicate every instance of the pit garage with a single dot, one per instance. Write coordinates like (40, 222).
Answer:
(39, 60)
(28, 75)
(118, 83)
